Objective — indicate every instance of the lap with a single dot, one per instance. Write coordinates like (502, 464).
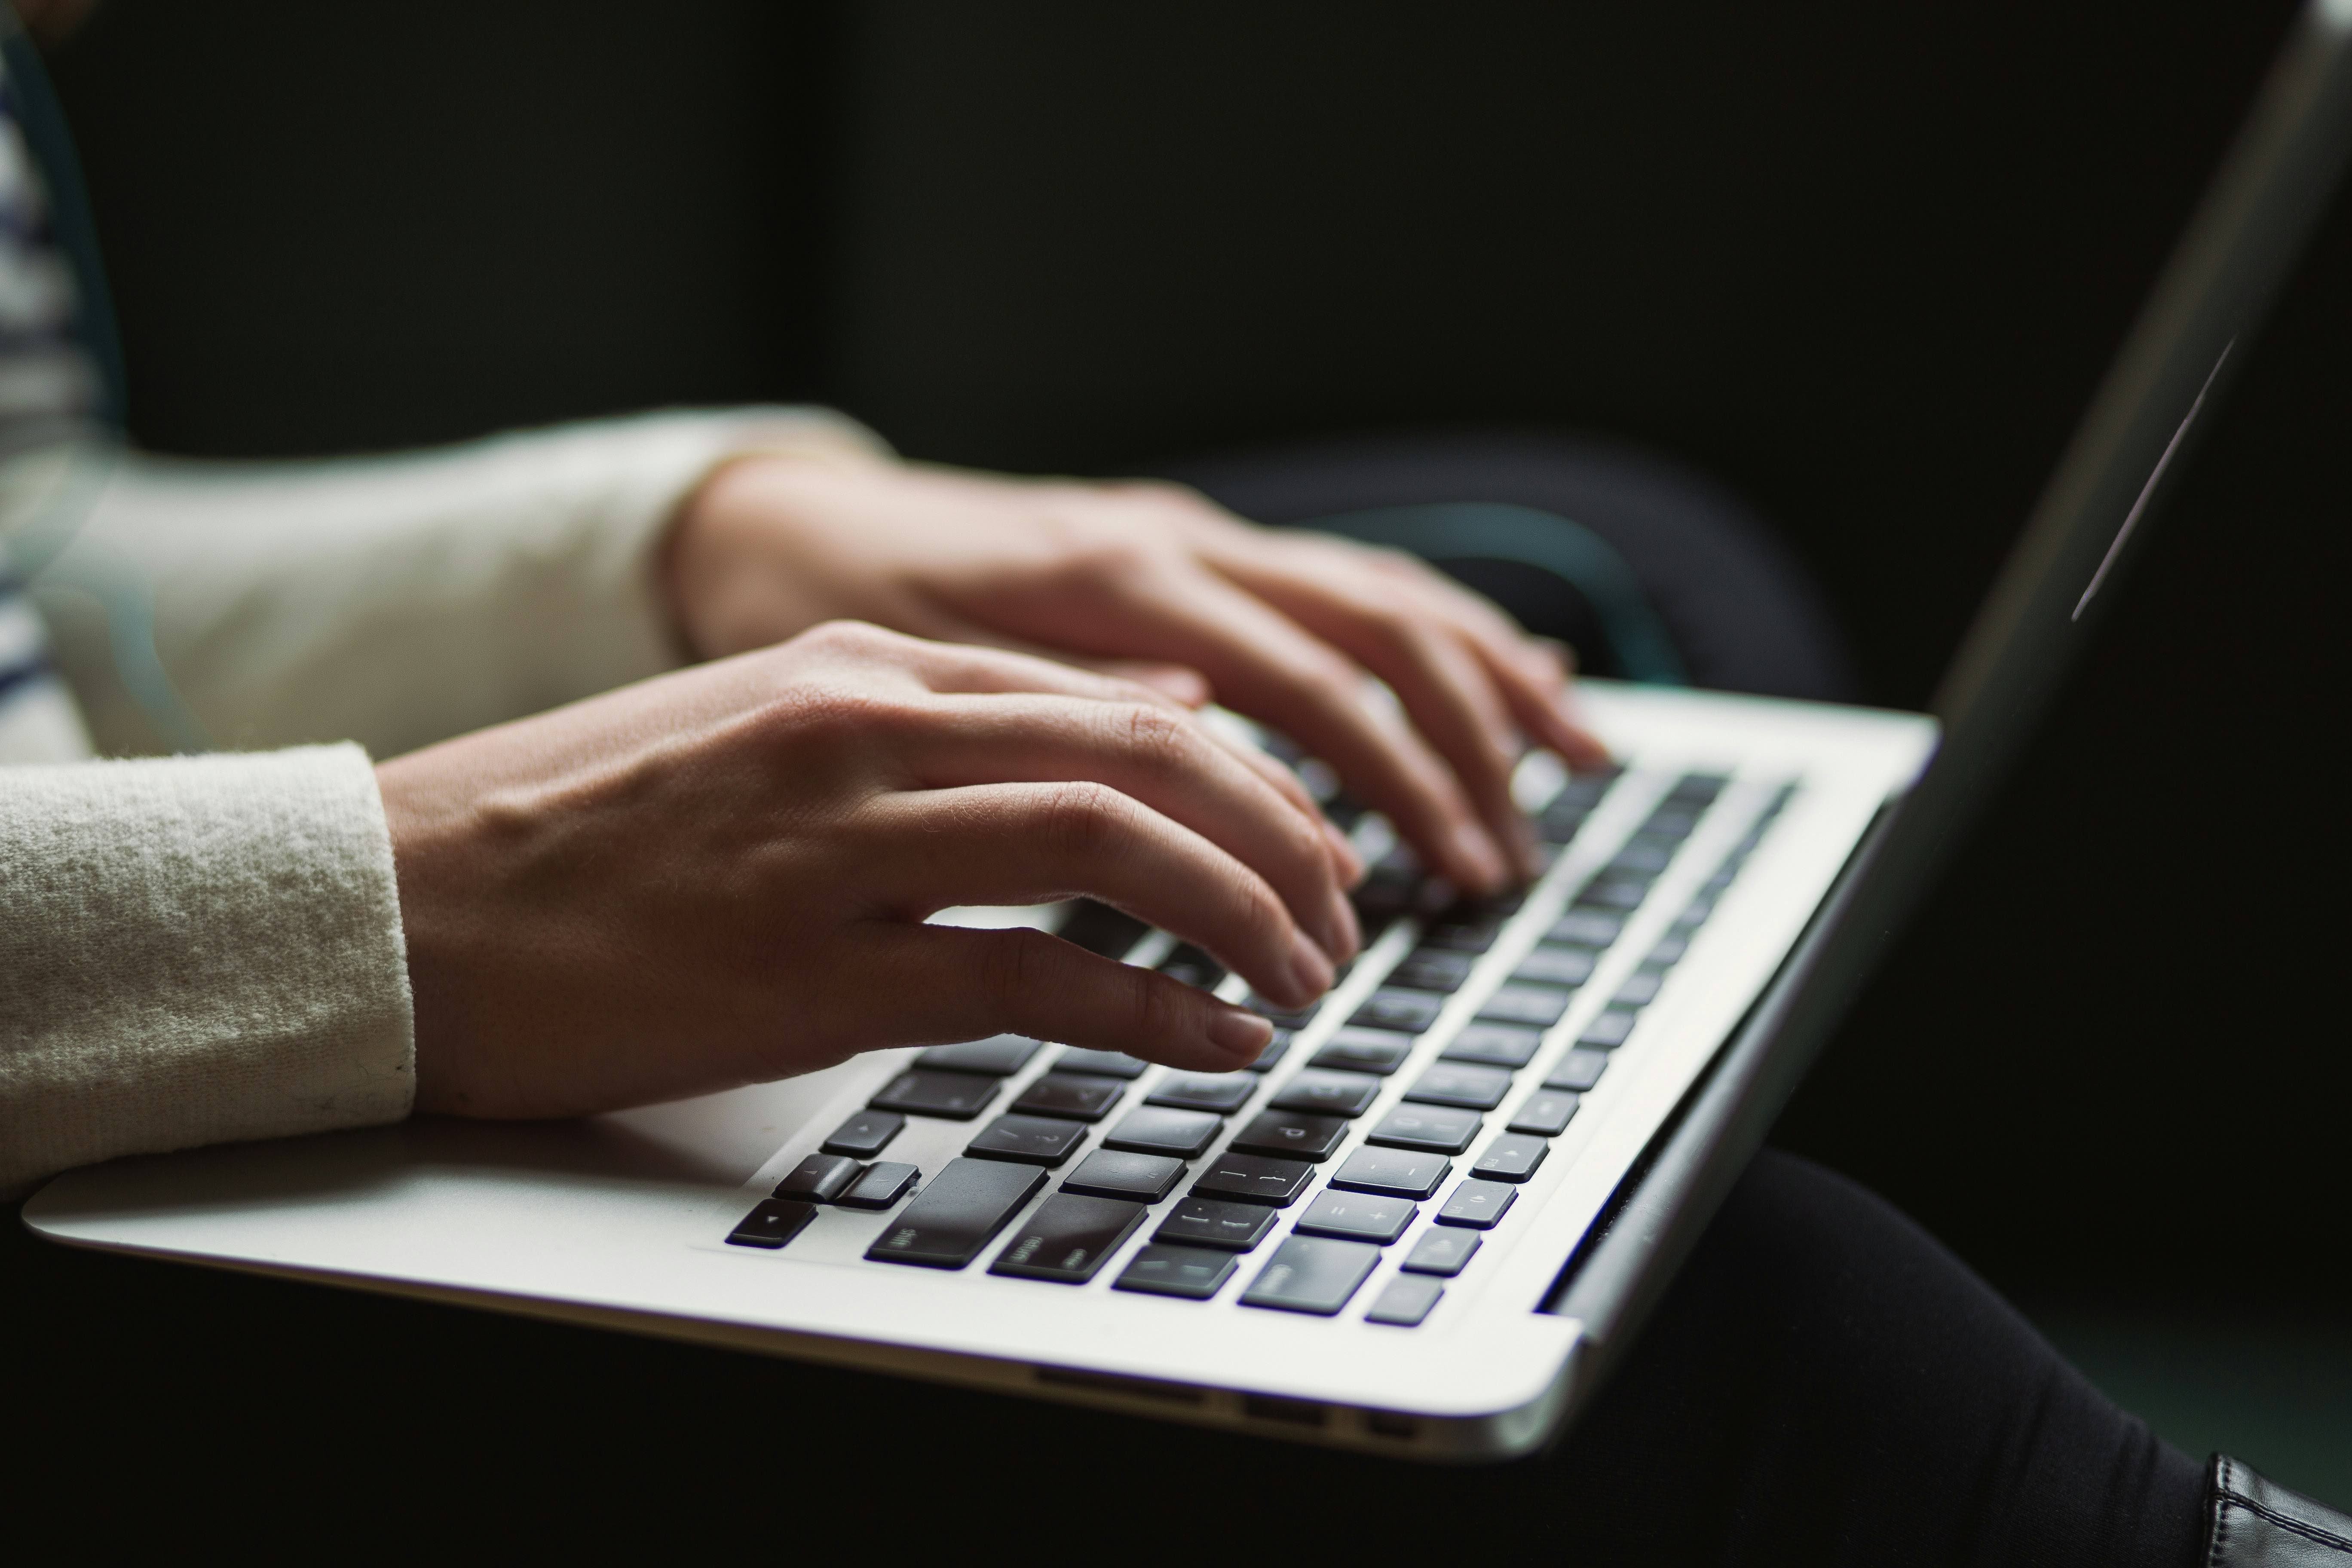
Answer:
(1821, 1377)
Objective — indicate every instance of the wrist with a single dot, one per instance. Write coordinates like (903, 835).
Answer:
(724, 543)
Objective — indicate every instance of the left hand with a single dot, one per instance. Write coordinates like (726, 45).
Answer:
(1154, 582)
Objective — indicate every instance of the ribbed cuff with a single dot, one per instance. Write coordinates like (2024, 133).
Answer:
(197, 950)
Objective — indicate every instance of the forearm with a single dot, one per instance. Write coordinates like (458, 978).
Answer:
(395, 601)
(195, 950)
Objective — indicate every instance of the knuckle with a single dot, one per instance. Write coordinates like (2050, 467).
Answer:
(843, 637)
(1012, 967)
(1154, 735)
(1159, 1005)
(832, 713)
(1082, 818)
(1100, 562)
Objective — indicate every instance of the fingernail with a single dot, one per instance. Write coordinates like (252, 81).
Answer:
(1523, 846)
(1347, 938)
(1351, 865)
(1242, 1034)
(1472, 843)
(1309, 968)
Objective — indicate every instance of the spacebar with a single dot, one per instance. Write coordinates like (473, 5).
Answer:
(956, 1215)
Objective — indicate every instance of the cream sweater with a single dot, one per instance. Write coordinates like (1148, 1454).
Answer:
(194, 949)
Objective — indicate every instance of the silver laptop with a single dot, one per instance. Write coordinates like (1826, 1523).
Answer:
(1428, 1218)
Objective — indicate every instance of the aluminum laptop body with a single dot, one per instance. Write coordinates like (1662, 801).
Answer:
(1506, 1125)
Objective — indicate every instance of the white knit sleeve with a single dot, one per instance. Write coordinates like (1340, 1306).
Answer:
(392, 601)
(195, 949)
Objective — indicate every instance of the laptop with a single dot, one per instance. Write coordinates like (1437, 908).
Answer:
(1427, 1220)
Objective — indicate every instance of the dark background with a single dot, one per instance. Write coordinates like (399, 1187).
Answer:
(1863, 263)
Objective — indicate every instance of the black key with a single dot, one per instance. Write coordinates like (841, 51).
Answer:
(1461, 1083)
(1644, 854)
(1474, 935)
(1556, 963)
(1608, 1028)
(1311, 1273)
(1510, 1158)
(1441, 1251)
(1641, 989)
(1193, 967)
(1669, 950)
(1671, 823)
(1697, 789)
(1329, 1093)
(1586, 928)
(1381, 897)
(999, 1056)
(1364, 1051)
(960, 1213)
(865, 1134)
(883, 1183)
(957, 1096)
(1292, 1136)
(1435, 1129)
(1101, 1064)
(1358, 1217)
(1067, 1238)
(1610, 893)
(1157, 1130)
(775, 1222)
(1477, 1205)
(1434, 969)
(1392, 1173)
(1205, 1221)
(1495, 1044)
(1072, 1097)
(1558, 821)
(1031, 1140)
(1273, 1052)
(1393, 1007)
(1191, 1272)
(1405, 1301)
(1585, 790)
(1578, 1070)
(1101, 930)
(819, 1179)
(1202, 1091)
(1538, 1007)
(1281, 1017)
(1693, 914)
(1115, 1173)
(1253, 1179)
(1545, 1114)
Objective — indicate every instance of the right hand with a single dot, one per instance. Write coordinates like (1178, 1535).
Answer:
(719, 876)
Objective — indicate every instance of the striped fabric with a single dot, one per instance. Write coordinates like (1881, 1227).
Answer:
(48, 393)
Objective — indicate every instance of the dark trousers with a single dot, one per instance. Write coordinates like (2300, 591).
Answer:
(1822, 1383)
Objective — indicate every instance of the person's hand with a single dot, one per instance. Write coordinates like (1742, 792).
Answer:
(1283, 625)
(719, 876)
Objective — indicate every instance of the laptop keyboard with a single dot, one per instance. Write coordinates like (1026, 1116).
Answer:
(1286, 1170)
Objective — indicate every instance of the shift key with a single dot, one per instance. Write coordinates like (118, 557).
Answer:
(960, 1213)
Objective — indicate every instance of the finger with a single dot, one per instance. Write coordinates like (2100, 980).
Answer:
(1170, 762)
(1180, 682)
(1035, 843)
(1531, 673)
(1267, 664)
(940, 982)
(1189, 686)
(1446, 690)
(953, 666)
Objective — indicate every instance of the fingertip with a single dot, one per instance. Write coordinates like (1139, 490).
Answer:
(1482, 866)
(1344, 858)
(1239, 1034)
